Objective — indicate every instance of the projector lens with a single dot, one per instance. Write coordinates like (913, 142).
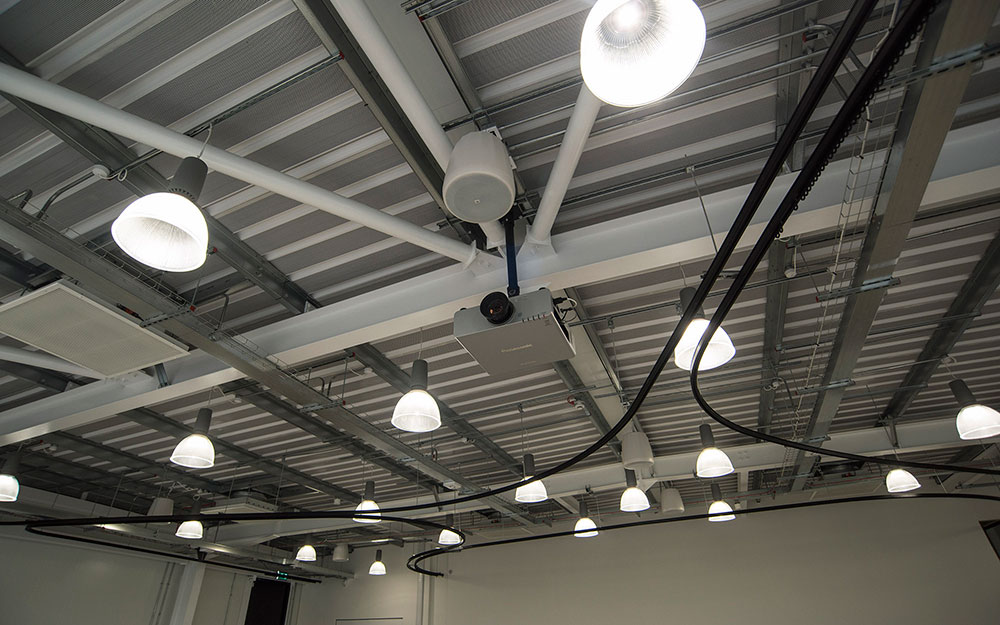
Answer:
(496, 308)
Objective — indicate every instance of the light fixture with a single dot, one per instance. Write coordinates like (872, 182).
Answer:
(167, 231)
(377, 567)
(719, 507)
(671, 501)
(633, 499)
(900, 481)
(532, 492)
(974, 419)
(585, 526)
(416, 411)
(341, 552)
(712, 461)
(720, 348)
(448, 537)
(9, 486)
(369, 506)
(306, 553)
(195, 451)
(633, 52)
(192, 530)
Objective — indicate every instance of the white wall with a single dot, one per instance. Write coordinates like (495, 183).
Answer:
(915, 562)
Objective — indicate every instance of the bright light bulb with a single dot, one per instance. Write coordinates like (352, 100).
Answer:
(448, 537)
(585, 528)
(163, 230)
(377, 568)
(532, 492)
(633, 500)
(190, 529)
(713, 462)
(720, 507)
(900, 481)
(720, 349)
(195, 451)
(977, 421)
(369, 507)
(416, 412)
(9, 487)
(306, 553)
(633, 52)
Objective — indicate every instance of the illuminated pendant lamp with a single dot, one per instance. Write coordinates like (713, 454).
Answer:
(196, 451)
(900, 481)
(9, 486)
(416, 411)
(585, 526)
(369, 506)
(974, 419)
(532, 492)
(634, 52)
(720, 348)
(712, 461)
(633, 499)
(167, 231)
(192, 530)
(448, 537)
(722, 510)
(306, 553)
(377, 567)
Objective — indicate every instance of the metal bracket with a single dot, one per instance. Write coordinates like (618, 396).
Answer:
(826, 387)
(880, 283)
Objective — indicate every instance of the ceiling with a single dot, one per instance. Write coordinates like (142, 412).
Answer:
(266, 79)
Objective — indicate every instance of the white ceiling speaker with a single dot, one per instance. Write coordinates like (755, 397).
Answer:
(167, 230)
(636, 452)
(341, 552)
(633, 52)
(671, 501)
(479, 184)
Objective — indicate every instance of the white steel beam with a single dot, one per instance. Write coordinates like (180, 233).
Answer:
(969, 168)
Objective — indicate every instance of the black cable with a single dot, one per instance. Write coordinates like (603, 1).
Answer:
(892, 48)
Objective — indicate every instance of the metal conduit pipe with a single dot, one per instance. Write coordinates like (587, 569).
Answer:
(45, 361)
(372, 39)
(67, 102)
(574, 139)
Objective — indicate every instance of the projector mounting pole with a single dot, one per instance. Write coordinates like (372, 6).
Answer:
(508, 226)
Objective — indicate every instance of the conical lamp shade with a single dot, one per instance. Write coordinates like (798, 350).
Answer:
(163, 230)
(977, 421)
(633, 52)
(190, 529)
(900, 481)
(306, 553)
(585, 528)
(194, 451)
(720, 349)
(721, 507)
(377, 568)
(633, 500)
(713, 462)
(448, 537)
(416, 412)
(9, 487)
(532, 492)
(371, 508)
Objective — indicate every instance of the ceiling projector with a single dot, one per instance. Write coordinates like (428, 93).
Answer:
(505, 335)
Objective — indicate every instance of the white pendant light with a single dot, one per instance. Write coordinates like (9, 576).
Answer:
(377, 567)
(448, 537)
(532, 492)
(633, 52)
(306, 553)
(633, 499)
(196, 451)
(719, 507)
(369, 506)
(974, 420)
(720, 348)
(585, 526)
(9, 486)
(416, 411)
(192, 530)
(167, 231)
(900, 481)
(712, 461)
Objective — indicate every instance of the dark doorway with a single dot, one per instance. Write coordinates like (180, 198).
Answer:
(268, 603)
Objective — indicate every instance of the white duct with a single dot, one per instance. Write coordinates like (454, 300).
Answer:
(62, 100)
(45, 361)
(369, 34)
(580, 122)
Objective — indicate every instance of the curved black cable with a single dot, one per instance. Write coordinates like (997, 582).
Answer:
(892, 48)
(417, 558)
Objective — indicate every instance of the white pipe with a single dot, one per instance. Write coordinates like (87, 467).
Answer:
(495, 235)
(580, 122)
(362, 24)
(62, 100)
(45, 361)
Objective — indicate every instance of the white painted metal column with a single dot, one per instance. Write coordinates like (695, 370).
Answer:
(188, 592)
